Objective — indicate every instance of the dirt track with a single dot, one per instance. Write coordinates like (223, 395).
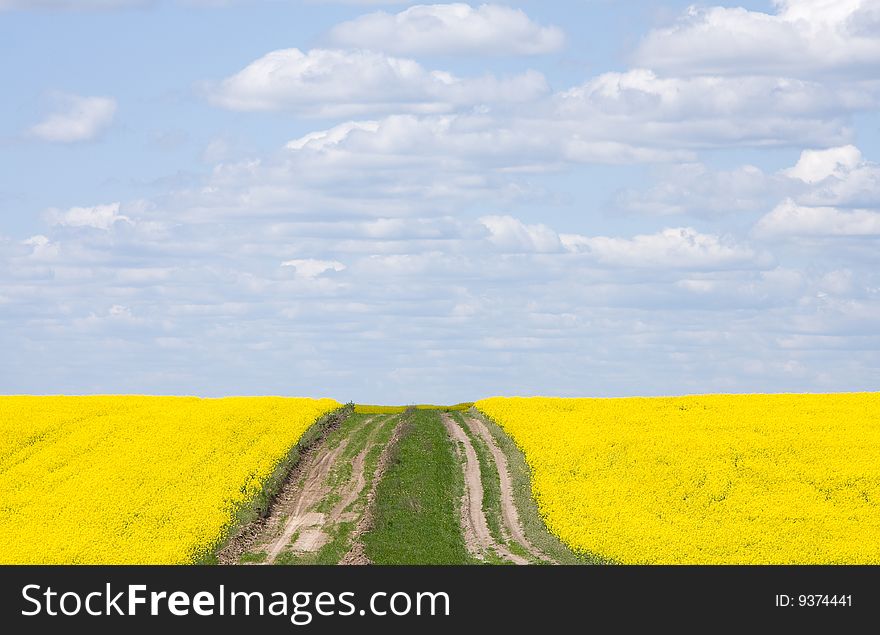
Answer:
(356, 554)
(325, 491)
(313, 491)
(330, 495)
(508, 505)
(475, 527)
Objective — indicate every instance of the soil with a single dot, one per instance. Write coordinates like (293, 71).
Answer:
(313, 491)
(299, 521)
(357, 555)
(478, 538)
(508, 505)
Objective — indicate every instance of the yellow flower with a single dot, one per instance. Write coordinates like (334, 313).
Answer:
(135, 480)
(705, 479)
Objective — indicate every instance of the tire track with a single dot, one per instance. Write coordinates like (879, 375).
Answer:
(356, 554)
(354, 487)
(509, 513)
(305, 497)
(313, 491)
(475, 527)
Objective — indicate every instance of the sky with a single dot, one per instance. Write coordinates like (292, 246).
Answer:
(392, 202)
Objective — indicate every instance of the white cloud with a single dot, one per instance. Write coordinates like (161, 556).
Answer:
(831, 177)
(709, 111)
(450, 28)
(405, 165)
(334, 136)
(682, 247)
(817, 165)
(790, 219)
(342, 83)
(80, 119)
(310, 268)
(510, 234)
(694, 188)
(98, 216)
(42, 248)
(802, 38)
(837, 177)
(209, 304)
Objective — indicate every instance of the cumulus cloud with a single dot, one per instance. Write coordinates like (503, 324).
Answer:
(710, 110)
(598, 315)
(790, 219)
(342, 83)
(404, 165)
(321, 139)
(98, 217)
(311, 268)
(451, 29)
(511, 234)
(817, 165)
(803, 38)
(621, 117)
(836, 176)
(42, 248)
(682, 247)
(79, 119)
(696, 189)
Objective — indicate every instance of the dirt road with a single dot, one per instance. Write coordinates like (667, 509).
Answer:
(325, 498)
(475, 526)
(509, 512)
(325, 506)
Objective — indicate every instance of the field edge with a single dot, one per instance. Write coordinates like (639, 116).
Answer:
(530, 517)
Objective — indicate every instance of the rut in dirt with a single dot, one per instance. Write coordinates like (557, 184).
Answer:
(324, 496)
(475, 526)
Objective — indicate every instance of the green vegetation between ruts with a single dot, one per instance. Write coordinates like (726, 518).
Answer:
(416, 518)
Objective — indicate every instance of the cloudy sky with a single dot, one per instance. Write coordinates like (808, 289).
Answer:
(397, 203)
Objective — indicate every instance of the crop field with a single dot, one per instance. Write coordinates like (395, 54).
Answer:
(142, 480)
(765, 479)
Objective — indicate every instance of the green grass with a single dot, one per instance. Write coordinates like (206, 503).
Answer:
(533, 525)
(258, 557)
(418, 501)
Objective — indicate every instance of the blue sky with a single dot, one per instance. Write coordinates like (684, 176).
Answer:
(394, 202)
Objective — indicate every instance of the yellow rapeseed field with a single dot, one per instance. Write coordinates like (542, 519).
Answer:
(140, 480)
(705, 479)
(369, 409)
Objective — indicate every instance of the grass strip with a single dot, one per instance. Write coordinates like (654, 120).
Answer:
(418, 500)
